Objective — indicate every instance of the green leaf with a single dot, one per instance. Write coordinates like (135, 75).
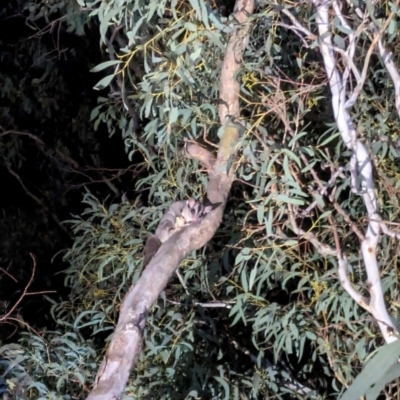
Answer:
(225, 386)
(253, 275)
(339, 42)
(103, 82)
(173, 115)
(105, 65)
(190, 26)
(286, 199)
(377, 368)
(329, 139)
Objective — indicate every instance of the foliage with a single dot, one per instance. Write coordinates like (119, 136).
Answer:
(52, 366)
(283, 300)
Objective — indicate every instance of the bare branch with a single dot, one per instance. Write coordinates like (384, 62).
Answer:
(32, 136)
(8, 274)
(40, 202)
(214, 305)
(360, 84)
(361, 171)
(24, 293)
(387, 58)
(388, 232)
(352, 44)
(345, 282)
(322, 249)
(322, 192)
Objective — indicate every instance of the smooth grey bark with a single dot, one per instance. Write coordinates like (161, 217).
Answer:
(126, 343)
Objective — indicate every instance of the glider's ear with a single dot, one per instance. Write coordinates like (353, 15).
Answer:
(191, 202)
(208, 206)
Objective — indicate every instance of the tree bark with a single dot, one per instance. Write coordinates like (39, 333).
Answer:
(126, 343)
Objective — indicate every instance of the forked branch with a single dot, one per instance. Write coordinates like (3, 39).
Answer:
(362, 180)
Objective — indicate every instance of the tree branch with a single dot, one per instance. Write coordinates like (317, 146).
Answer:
(126, 343)
(362, 181)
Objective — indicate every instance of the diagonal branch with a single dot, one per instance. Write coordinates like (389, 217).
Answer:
(126, 343)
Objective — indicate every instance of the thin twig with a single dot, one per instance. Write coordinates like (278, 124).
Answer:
(24, 293)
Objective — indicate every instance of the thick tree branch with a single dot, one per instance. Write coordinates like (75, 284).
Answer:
(126, 343)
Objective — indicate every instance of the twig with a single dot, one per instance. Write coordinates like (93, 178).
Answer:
(8, 274)
(24, 293)
(322, 192)
(40, 202)
(179, 275)
(360, 84)
(323, 249)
